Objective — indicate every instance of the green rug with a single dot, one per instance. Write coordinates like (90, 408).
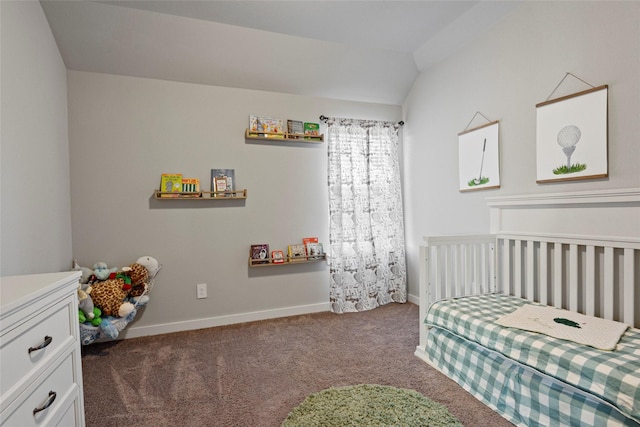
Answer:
(369, 405)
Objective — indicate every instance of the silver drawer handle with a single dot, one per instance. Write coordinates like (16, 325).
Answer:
(49, 402)
(46, 342)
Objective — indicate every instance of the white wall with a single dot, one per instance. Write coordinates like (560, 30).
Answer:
(35, 208)
(125, 132)
(504, 74)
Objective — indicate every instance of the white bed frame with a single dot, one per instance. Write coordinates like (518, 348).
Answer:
(578, 251)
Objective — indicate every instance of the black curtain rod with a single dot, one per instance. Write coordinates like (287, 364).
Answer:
(324, 119)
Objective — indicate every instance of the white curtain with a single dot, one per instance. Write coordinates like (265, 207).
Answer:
(366, 231)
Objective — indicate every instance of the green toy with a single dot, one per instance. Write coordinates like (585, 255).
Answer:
(95, 321)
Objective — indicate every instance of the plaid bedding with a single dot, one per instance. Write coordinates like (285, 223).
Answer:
(613, 376)
(520, 394)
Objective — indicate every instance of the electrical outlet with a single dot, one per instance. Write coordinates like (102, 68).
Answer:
(201, 290)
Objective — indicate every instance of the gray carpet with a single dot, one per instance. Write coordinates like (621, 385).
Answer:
(254, 374)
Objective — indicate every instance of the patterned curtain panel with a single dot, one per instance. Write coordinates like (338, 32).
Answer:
(366, 231)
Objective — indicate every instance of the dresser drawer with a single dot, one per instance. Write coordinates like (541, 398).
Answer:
(53, 391)
(50, 329)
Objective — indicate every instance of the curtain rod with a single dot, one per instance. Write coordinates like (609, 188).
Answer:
(324, 119)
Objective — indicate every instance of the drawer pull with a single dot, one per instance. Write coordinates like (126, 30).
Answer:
(49, 402)
(46, 342)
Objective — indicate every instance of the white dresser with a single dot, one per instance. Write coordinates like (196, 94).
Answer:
(40, 361)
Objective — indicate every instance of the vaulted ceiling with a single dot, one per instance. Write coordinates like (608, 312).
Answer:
(369, 51)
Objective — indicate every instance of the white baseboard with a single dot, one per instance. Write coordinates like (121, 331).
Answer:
(211, 322)
(413, 299)
(134, 331)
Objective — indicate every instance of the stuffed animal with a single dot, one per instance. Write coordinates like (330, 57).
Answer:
(139, 276)
(86, 272)
(85, 302)
(110, 298)
(96, 320)
(108, 329)
(142, 271)
(101, 270)
(151, 264)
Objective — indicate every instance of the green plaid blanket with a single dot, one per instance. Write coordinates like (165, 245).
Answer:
(613, 376)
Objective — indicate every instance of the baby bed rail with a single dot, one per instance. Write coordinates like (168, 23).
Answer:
(455, 266)
(593, 275)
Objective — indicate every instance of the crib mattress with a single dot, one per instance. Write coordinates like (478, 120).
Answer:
(613, 376)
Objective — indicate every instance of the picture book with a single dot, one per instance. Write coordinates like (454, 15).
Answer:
(192, 186)
(220, 186)
(311, 129)
(277, 257)
(295, 127)
(223, 177)
(266, 126)
(259, 253)
(297, 253)
(314, 250)
(170, 183)
(307, 240)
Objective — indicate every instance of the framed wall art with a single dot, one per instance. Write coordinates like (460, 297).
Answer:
(479, 159)
(571, 137)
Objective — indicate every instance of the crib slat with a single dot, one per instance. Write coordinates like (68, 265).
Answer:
(490, 255)
(475, 267)
(543, 273)
(478, 285)
(517, 270)
(608, 283)
(506, 262)
(449, 272)
(629, 294)
(456, 270)
(557, 275)
(590, 283)
(573, 277)
(467, 280)
(530, 276)
(439, 273)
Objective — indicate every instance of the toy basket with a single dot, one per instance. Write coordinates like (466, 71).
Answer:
(90, 334)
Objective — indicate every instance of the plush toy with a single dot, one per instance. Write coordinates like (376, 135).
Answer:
(138, 273)
(95, 320)
(86, 272)
(142, 271)
(85, 302)
(151, 264)
(110, 298)
(139, 276)
(101, 270)
(108, 329)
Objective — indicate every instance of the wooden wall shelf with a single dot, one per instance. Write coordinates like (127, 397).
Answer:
(287, 261)
(202, 195)
(292, 137)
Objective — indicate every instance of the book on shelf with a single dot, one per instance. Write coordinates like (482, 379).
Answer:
(191, 187)
(311, 130)
(297, 253)
(259, 253)
(223, 180)
(170, 183)
(267, 127)
(314, 250)
(219, 186)
(295, 128)
(306, 240)
(277, 257)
